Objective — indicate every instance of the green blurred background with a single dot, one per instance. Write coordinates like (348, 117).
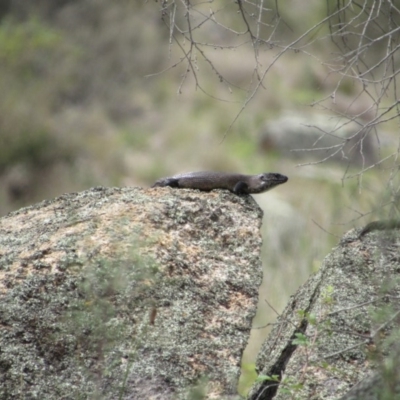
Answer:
(99, 93)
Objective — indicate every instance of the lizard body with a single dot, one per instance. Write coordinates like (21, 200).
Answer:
(236, 183)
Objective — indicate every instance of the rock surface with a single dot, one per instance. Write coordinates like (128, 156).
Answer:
(337, 336)
(127, 293)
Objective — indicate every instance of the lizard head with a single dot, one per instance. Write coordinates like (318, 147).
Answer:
(268, 181)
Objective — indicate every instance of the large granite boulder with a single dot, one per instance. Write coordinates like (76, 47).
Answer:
(127, 294)
(338, 336)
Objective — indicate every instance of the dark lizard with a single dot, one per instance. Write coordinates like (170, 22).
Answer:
(380, 226)
(236, 183)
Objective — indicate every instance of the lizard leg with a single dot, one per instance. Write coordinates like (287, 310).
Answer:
(241, 188)
(172, 182)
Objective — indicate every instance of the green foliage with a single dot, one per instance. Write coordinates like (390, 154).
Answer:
(25, 45)
(247, 378)
(289, 386)
(311, 318)
(272, 378)
(100, 319)
(327, 294)
(91, 317)
(35, 147)
(198, 391)
(301, 339)
(241, 148)
(28, 81)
